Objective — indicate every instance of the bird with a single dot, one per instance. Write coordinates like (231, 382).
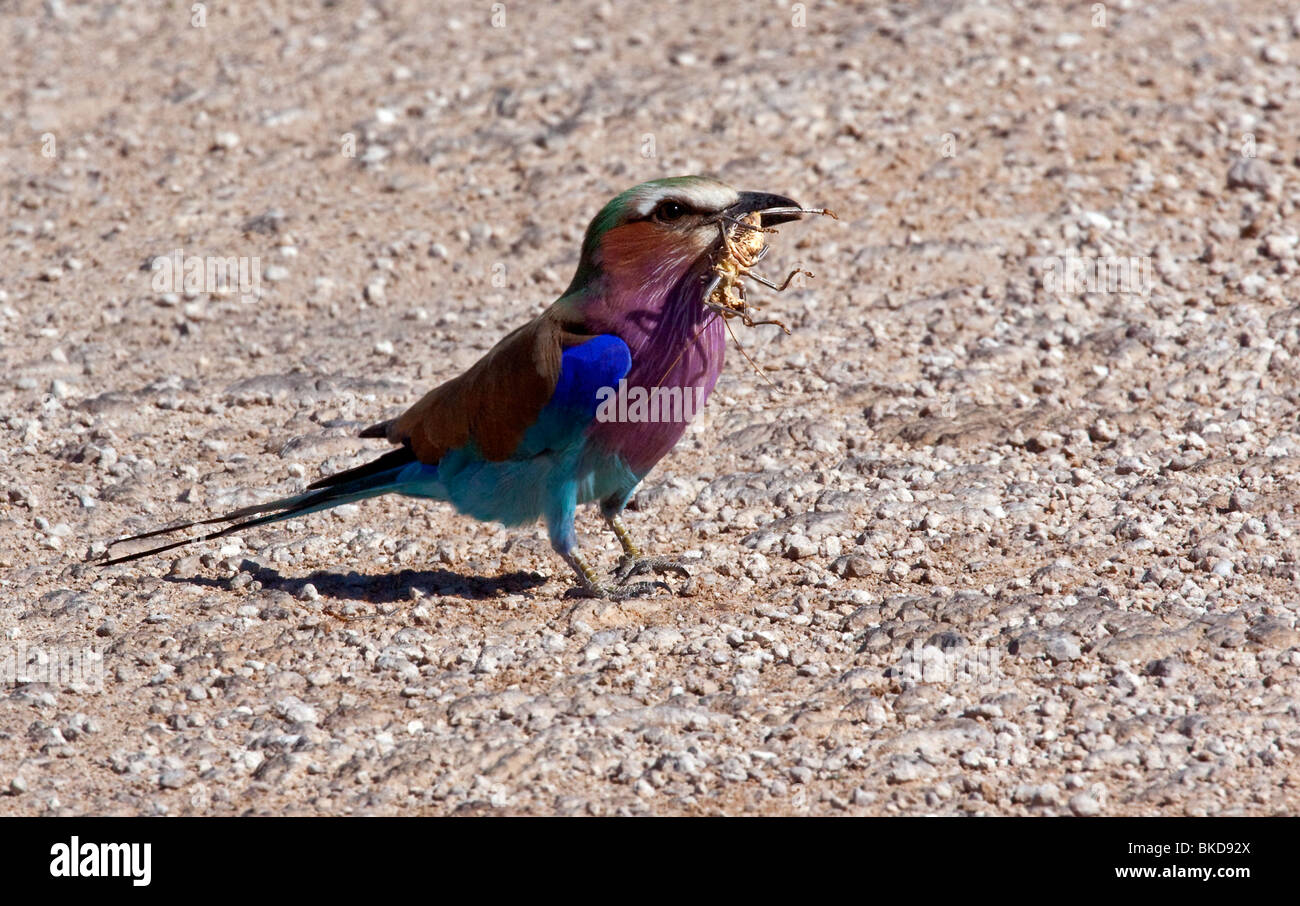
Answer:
(542, 423)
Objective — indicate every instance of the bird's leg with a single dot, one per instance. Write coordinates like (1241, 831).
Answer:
(633, 562)
(624, 537)
(564, 541)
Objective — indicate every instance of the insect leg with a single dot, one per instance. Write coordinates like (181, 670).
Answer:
(748, 321)
(749, 226)
(713, 285)
(759, 278)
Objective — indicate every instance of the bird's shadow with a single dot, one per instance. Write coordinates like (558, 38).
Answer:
(379, 588)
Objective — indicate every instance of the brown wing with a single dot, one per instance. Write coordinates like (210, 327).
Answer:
(491, 404)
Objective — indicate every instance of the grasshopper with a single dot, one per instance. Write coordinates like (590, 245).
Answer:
(743, 247)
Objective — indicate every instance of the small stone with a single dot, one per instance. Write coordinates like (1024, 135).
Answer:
(1274, 633)
(493, 658)
(1128, 465)
(797, 547)
(1084, 805)
(1103, 431)
(1062, 648)
(1095, 220)
(1046, 794)
(1253, 284)
(172, 780)
(1280, 248)
(904, 772)
(1249, 173)
(296, 711)
(853, 566)
(1241, 502)
(1274, 53)
(1169, 667)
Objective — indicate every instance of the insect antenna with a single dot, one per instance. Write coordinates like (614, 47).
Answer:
(674, 362)
(752, 364)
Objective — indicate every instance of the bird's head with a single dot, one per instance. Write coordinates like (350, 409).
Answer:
(656, 233)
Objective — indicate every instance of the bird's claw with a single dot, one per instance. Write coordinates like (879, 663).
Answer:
(629, 567)
(620, 592)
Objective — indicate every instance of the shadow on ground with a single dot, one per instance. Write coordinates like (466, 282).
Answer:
(379, 588)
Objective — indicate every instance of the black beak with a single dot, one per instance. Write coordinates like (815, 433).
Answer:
(772, 209)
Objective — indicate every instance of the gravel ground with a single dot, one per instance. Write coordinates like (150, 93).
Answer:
(982, 546)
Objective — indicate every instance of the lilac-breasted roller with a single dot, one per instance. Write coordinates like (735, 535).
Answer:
(539, 425)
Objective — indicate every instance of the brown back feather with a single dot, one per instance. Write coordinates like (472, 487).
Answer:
(493, 403)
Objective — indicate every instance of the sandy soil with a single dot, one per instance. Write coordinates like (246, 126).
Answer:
(983, 545)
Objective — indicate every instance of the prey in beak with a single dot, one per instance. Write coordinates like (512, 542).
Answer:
(741, 245)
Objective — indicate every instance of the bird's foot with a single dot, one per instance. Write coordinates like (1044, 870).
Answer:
(620, 592)
(631, 566)
(628, 567)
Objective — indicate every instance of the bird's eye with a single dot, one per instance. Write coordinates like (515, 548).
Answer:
(669, 210)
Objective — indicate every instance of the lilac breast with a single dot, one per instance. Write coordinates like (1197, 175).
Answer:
(678, 347)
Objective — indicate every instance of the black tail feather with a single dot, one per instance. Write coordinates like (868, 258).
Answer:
(392, 459)
(368, 480)
(235, 514)
(228, 530)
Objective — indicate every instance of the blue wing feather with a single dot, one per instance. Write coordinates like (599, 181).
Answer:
(600, 362)
(545, 475)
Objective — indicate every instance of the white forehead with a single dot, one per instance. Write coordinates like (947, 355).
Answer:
(699, 192)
